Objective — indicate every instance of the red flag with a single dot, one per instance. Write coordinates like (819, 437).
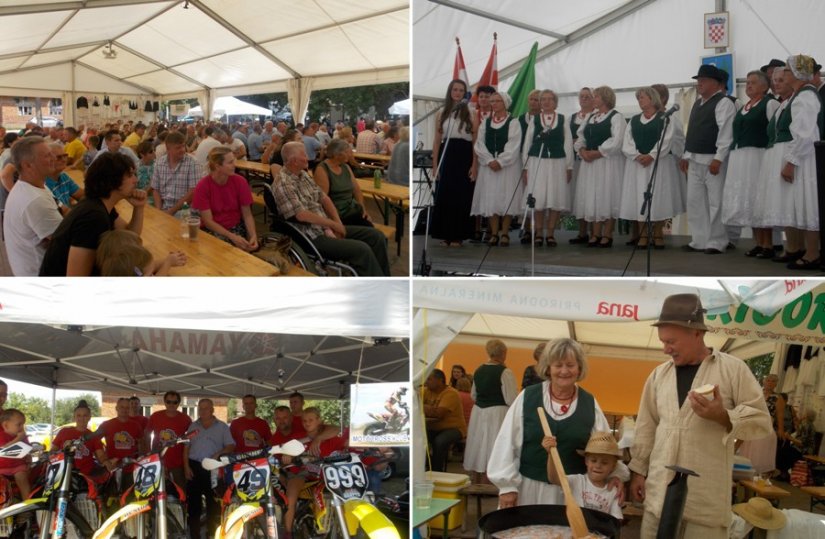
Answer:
(459, 69)
(490, 75)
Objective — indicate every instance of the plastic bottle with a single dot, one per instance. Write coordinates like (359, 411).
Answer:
(184, 220)
(376, 179)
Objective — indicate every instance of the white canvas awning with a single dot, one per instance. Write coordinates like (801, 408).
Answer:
(205, 48)
(232, 106)
(258, 336)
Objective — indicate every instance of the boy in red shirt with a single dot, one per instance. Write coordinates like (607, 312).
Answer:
(13, 429)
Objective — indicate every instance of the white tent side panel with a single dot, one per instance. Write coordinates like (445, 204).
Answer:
(295, 306)
(58, 78)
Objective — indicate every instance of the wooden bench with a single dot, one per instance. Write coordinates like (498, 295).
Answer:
(769, 492)
(479, 492)
(817, 495)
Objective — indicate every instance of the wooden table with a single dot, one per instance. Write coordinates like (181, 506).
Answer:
(254, 170)
(378, 158)
(769, 492)
(816, 459)
(438, 506)
(208, 256)
(392, 197)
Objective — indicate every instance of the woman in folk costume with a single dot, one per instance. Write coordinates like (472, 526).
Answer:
(494, 389)
(498, 189)
(548, 166)
(533, 108)
(576, 120)
(599, 185)
(788, 192)
(454, 167)
(750, 137)
(640, 146)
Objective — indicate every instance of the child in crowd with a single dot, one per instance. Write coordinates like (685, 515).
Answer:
(591, 490)
(121, 253)
(13, 425)
(92, 144)
(146, 154)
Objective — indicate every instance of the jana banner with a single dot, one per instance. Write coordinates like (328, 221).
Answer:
(380, 415)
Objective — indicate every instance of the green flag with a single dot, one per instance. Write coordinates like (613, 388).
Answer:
(524, 83)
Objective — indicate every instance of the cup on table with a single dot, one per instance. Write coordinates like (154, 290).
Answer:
(423, 494)
(194, 224)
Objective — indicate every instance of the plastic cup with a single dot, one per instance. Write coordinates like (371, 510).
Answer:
(194, 224)
(423, 494)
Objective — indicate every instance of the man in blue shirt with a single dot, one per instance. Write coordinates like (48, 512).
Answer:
(212, 439)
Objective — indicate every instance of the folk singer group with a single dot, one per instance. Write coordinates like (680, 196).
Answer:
(735, 166)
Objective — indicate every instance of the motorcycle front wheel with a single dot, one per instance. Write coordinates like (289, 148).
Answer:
(374, 428)
(27, 525)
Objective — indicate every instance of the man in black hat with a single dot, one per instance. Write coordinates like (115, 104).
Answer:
(768, 68)
(678, 425)
(709, 136)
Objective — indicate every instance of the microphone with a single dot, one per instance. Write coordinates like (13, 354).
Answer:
(671, 110)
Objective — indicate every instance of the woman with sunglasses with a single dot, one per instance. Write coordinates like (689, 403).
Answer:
(168, 424)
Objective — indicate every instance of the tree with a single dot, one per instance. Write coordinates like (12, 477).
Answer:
(64, 408)
(330, 409)
(357, 101)
(35, 409)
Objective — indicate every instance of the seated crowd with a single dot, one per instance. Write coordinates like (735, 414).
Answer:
(54, 227)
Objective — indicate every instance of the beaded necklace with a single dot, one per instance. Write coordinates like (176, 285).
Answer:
(564, 407)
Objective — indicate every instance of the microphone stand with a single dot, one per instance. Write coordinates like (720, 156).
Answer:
(425, 266)
(647, 205)
(531, 207)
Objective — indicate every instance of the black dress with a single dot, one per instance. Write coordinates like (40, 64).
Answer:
(451, 219)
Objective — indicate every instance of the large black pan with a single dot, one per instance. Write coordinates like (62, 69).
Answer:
(553, 515)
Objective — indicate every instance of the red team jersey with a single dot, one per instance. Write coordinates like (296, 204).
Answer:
(280, 439)
(165, 428)
(84, 456)
(121, 437)
(249, 434)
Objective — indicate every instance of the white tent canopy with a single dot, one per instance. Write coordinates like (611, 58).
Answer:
(231, 106)
(202, 48)
(624, 44)
(247, 336)
(401, 108)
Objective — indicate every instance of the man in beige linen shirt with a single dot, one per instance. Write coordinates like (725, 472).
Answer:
(678, 426)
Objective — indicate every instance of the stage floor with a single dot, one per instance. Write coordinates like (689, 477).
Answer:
(475, 258)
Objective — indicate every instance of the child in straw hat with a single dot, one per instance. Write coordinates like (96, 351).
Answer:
(591, 490)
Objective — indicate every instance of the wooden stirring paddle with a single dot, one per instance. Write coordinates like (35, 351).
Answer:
(575, 517)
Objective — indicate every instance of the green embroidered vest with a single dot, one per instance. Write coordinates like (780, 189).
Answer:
(487, 380)
(550, 143)
(595, 133)
(572, 433)
(646, 136)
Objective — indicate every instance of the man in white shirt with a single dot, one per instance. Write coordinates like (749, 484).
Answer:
(709, 136)
(31, 214)
(213, 140)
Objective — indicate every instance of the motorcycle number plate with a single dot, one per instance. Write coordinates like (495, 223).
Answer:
(252, 479)
(346, 480)
(54, 473)
(147, 476)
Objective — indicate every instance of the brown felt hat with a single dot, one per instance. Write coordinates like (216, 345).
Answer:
(683, 310)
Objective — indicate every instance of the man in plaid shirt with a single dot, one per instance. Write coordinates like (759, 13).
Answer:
(175, 176)
(301, 200)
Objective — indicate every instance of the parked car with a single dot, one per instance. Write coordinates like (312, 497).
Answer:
(48, 121)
